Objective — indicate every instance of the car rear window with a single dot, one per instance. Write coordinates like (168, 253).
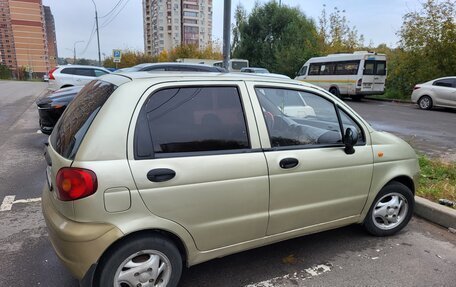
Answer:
(75, 121)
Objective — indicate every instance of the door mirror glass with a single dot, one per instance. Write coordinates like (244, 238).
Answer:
(350, 140)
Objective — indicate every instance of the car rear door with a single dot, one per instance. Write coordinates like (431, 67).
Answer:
(83, 76)
(312, 180)
(196, 159)
(445, 91)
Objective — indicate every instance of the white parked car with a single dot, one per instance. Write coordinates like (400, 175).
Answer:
(436, 93)
(74, 75)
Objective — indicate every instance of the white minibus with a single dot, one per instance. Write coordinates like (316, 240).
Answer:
(355, 75)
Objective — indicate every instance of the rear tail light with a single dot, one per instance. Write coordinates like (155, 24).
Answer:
(416, 87)
(75, 183)
(50, 74)
(360, 82)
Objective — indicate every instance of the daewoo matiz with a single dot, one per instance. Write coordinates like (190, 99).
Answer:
(148, 173)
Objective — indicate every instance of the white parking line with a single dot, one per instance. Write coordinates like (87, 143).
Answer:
(9, 200)
(39, 132)
(296, 276)
(7, 203)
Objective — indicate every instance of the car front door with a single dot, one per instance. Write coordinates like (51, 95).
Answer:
(313, 180)
(197, 161)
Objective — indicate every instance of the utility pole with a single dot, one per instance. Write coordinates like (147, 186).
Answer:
(98, 33)
(226, 33)
(74, 51)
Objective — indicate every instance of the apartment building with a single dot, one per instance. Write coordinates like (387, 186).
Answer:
(50, 36)
(170, 23)
(23, 39)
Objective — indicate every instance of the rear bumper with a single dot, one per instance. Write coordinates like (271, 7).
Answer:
(78, 245)
(48, 118)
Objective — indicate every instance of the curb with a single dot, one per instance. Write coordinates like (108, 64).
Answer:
(439, 214)
(390, 100)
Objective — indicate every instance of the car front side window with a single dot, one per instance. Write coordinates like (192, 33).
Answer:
(318, 125)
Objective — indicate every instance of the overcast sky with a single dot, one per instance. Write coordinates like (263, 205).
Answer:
(377, 20)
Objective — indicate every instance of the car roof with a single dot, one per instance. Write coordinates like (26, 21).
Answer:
(200, 76)
(81, 66)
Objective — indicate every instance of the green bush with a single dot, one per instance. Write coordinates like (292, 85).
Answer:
(5, 72)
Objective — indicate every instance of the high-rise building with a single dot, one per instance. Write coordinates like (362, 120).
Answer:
(23, 40)
(170, 23)
(50, 36)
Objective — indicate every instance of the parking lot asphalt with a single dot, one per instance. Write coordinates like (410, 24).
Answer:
(421, 255)
(432, 132)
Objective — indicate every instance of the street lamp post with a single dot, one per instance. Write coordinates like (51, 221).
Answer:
(98, 33)
(226, 33)
(74, 51)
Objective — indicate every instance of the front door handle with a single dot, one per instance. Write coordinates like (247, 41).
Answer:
(288, 162)
(160, 174)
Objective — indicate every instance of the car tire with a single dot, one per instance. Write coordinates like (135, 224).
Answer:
(153, 256)
(391, 210)
(425, 103)
(334, 91)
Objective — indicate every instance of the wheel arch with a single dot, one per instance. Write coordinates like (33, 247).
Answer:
(175, 239)
(405, 180)
(402, 178)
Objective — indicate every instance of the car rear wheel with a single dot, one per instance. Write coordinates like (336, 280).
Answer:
(425, 103)
(140, 262)
(335, 92)
(391, 210)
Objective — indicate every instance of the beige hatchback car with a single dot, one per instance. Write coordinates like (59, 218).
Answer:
(148, 173)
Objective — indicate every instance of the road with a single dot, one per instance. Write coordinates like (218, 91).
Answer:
(421, 255)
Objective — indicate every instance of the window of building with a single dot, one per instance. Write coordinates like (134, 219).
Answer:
(190, 14)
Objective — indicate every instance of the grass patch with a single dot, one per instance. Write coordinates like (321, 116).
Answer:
(437, 180)
(391, 95)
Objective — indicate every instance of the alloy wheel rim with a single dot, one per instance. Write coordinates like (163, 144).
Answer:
(390, 211)
(424, 103)
(146, 268)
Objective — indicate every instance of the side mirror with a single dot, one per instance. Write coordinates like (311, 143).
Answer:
(350, 140)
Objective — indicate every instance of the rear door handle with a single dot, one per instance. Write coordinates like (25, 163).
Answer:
(288, 162)
(160, 174)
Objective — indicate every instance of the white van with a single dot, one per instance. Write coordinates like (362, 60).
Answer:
(355, 75)
(234, 65)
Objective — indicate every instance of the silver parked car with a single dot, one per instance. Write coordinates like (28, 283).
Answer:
(436, 93)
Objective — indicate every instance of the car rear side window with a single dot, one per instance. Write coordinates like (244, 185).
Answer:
(189, 120)
(85, 72)
(75, 121)
(70, 71)
(449, 83)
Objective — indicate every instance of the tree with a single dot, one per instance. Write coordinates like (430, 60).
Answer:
(279, 38)
(5, 72)
(129, 58)
(335, 33)
(211, 51)
(427, 47)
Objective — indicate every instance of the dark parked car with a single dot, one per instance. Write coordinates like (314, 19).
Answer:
(172, 67)
(52, 105)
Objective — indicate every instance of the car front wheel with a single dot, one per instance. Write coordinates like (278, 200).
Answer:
(140, 262)
(391, 210)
